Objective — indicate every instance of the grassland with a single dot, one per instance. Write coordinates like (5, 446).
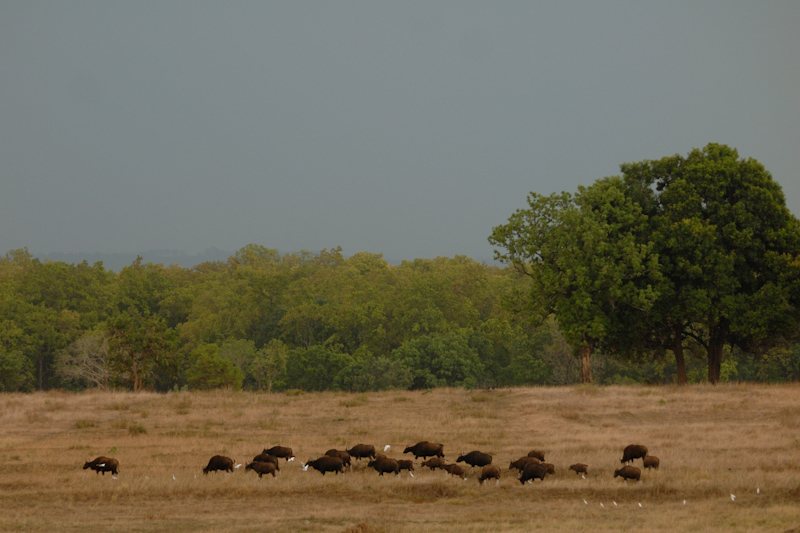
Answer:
(712, 442)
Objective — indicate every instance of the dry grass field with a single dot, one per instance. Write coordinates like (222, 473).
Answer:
(712, 441)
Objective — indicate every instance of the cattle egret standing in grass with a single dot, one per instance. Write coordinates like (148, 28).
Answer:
(237, 466)
(386, 448)
(173, 477)
(615, 504)
(733, 498)
(289, 460)
(684, 502)
(584, 501)
(640, 504)
(601, 504)
(758, 490)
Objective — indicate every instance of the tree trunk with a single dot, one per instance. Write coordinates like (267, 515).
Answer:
(715, 346)
(586, 366)
(680, 363)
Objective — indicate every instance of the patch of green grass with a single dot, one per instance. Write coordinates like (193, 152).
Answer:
(135, 428)
(82, 424)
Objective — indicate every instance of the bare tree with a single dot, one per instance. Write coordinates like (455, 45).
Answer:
(86, 359)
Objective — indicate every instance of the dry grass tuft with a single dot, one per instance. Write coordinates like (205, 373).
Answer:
(712, 442)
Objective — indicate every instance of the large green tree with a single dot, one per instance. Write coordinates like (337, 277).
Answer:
(729, 252)
(587, 259)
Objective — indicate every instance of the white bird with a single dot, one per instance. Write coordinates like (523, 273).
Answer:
(305, 467)
(583, 477)
(615, 504)
(411, 474)
(114, 477)
(386, 448)
(640, 504)
(101, 465)
(733, 498)
(584, 501)
(290, 459)
(173, 477)
(601, 504)
(758, 490)
(684, 502)
(239, 465)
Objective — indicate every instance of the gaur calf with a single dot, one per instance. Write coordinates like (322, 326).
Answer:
(219, 462)
(262, 468)
(489, 472)
(628, 472)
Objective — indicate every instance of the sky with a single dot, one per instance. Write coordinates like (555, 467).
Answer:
(407, 128)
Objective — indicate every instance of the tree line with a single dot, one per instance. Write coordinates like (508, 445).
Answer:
(680, 270)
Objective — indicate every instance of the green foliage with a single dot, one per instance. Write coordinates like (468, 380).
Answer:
(373, 374)
(213, 371)
(16, 372)
(440, 360)
(268, 365)
(315, 369)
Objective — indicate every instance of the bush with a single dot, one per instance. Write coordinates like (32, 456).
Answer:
(440, 360)
(373, 374)
(16, 372)
(212, 371)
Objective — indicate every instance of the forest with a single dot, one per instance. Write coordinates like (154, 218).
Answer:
(681, 270)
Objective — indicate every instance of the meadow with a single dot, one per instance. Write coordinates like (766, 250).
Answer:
(713, 442)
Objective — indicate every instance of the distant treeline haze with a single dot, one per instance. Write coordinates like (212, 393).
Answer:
(310, 321)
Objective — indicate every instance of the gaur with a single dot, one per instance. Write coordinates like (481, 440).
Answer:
(326, 463)
(360, 451)
(633, 451)
(219, 462)
(425, 449)
(550, 468)
(103, 464)
(520, 463)
(341, 454)
(580, 468)
(433, 463)
(651, 461)
(475, 458)
(628, 472)
(266, 458)
(406, 464)
(533, 471)
(262, 468)
(489, 472)
(281, 452)
(384, 464)
(536, 453)
(455, 470)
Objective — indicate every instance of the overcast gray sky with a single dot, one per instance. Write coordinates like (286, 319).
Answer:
(403, 128)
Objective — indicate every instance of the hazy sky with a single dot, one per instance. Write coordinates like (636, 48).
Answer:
(404, 128)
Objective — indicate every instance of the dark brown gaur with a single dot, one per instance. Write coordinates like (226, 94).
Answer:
(406, 464)
(261, 468)
(475, 458)
(520, 463)
(633, 451)
(425, 449)
(533, 471)
(219, 462)
(628, 472)
(326, 463)
(103, 464)
(341, 454)
(455, 470)
(359, 451)
(282, 452)
(266, 458)
(536, 453)
(383, 464)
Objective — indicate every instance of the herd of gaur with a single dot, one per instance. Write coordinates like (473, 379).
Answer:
(530, 467)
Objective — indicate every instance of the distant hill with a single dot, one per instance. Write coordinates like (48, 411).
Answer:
(116, 261)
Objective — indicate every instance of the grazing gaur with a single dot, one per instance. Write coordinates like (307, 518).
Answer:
(536, 453)
(219, 462)
(580, 468)
(520, 463)
(266, 458)
(550, 468)
(455, 470)
(326, 463)
(425, 449)
(262, 468)
(633, 451)
(651, 461)
(489, 472)
(475, 458)
(359, 451)
(533, 471)
(628, 472)
(282, 452)
(434, 462)
(383, 464)
(406, 464)
(341, 454)
(103, 464)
